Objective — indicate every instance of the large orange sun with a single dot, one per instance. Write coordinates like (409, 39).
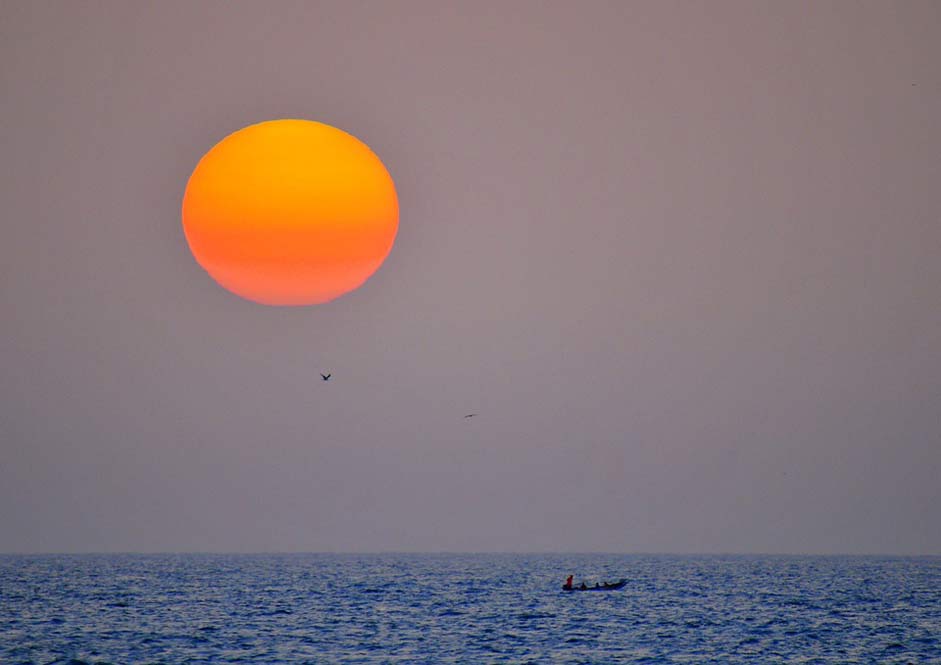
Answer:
(290, 212)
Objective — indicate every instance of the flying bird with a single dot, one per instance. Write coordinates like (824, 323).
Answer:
(470, 415)
(326, 377)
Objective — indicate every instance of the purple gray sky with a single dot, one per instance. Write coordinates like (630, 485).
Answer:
(684, 259)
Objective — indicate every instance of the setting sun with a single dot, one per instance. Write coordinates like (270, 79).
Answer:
(290, 212)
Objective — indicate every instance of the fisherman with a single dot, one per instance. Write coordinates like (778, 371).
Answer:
(568, 582)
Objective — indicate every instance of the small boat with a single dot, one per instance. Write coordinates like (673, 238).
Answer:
(613, 586)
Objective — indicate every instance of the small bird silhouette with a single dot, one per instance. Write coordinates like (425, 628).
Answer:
(470, 415)
(326, 377)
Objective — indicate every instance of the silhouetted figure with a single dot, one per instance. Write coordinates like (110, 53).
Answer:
(326, 377)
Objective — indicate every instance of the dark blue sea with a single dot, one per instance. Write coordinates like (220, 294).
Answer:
(486, 608)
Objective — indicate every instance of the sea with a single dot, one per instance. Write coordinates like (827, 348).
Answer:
(467, 608)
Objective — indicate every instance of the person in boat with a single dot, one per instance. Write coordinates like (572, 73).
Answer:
(568, 582)
(598, 585)
(583, 586)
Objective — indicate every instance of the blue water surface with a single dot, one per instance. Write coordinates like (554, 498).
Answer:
(481, 608)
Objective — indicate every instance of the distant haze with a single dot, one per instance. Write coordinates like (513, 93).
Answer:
(682, 259)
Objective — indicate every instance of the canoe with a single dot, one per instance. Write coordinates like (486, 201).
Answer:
(604, 587)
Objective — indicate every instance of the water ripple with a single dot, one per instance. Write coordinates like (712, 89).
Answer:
(99, 609)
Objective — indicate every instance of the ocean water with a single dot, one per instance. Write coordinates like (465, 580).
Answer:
(320, 608)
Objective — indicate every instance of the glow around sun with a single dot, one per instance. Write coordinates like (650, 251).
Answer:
(290, 212)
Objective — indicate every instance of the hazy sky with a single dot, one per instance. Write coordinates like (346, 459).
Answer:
(684, 259)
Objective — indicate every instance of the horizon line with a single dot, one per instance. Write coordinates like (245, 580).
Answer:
(462, 553)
